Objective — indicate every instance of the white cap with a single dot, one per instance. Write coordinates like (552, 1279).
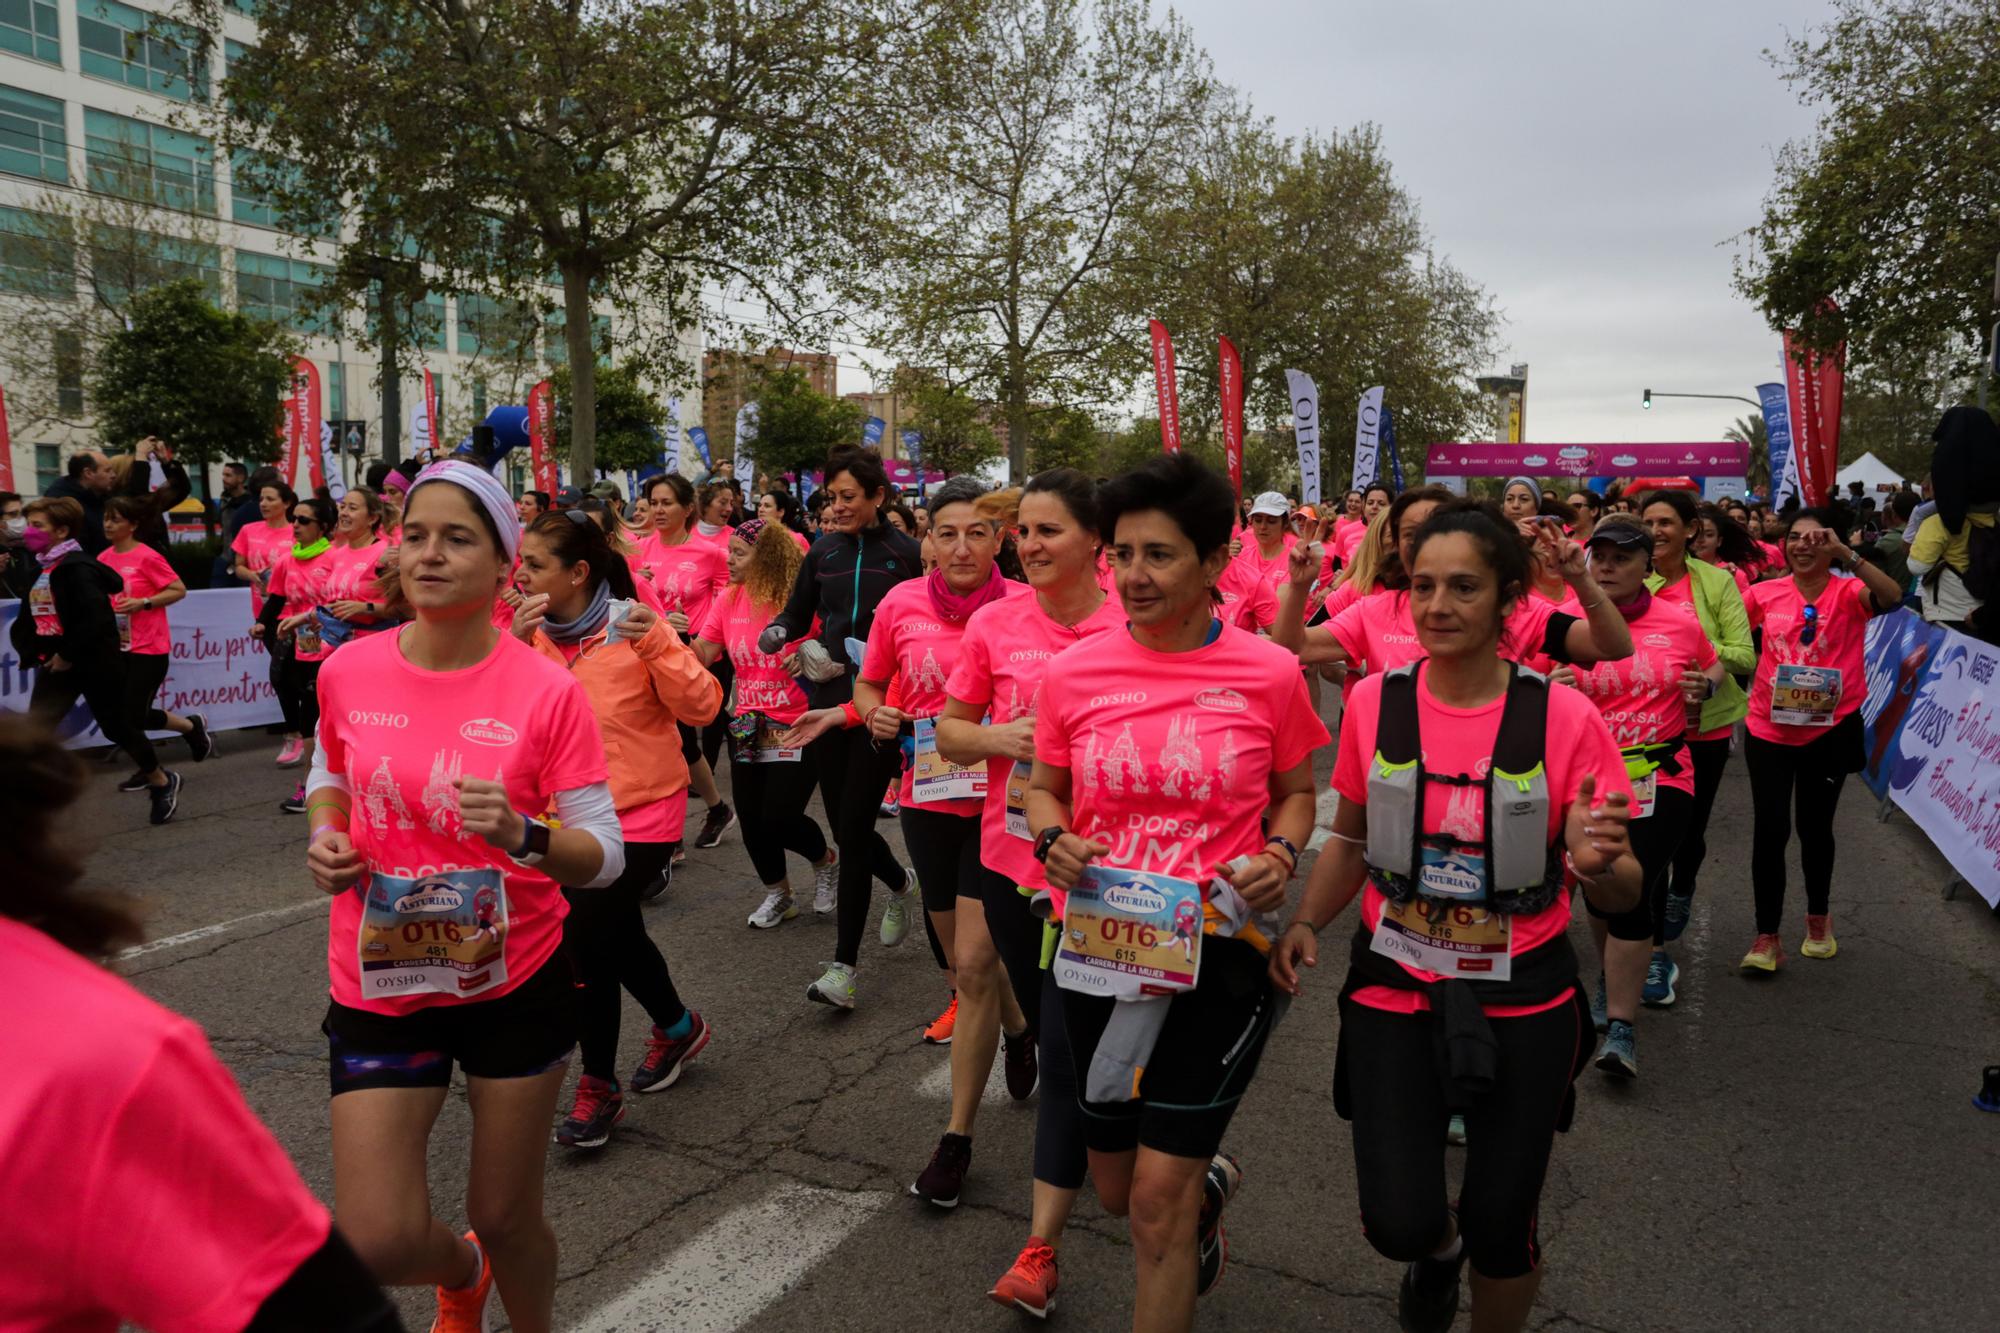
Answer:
(1272, 503)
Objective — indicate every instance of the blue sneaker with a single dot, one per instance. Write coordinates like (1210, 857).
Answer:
(1661, 974)
(1680, 906)
(1599, 1014)
(1618, 1056)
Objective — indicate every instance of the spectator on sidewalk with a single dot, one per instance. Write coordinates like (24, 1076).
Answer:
(149, 473)
(86, 480)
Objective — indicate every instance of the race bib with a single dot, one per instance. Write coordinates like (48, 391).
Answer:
(1450, 939)
(443, 933)
(42, 606)
(1017, 800)
(124, 631)
(1805, 696)
(305, 639)
(1129, 934)
(936, 778)
(754, 740)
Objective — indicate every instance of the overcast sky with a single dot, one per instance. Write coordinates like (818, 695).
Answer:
(1586, 161)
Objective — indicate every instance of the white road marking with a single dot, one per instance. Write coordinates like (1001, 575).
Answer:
(936, 1085)
(722, 1278)
(221, 927)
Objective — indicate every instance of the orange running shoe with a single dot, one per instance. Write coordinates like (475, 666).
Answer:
(463, 1309)
(939, 1032)
(1030, 1285)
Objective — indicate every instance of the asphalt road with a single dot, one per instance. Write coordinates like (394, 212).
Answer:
(1799, 1152)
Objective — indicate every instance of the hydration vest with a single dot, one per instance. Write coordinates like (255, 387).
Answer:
(1523, 871)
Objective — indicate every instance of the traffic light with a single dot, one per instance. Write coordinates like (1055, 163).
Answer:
(1646, 401)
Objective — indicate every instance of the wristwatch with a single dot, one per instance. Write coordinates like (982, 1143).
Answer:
(1046, 840)
(534, 844)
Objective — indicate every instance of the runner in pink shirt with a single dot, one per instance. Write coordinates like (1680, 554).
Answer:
(1439, 943)
(1270, 541)
(1173, 769)
(1246, 600)
(292, 600)
(258, 545)
(139, 1186)
(151, 586)
(1805, 721)
(443, 747)
(354, 561)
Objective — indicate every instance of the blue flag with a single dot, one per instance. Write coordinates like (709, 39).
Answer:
(871, 431)
(1386, 446)
(1778, 434)
(913, 448)
(699, 439)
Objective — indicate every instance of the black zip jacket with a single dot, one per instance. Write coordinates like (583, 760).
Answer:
(826, 587)
(83, 588)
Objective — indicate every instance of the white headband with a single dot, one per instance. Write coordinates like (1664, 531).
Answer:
(485, 489)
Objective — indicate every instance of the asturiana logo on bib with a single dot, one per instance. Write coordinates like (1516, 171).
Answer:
(1134, 899)
(1222, 701)
(431, 895)
(488, 731)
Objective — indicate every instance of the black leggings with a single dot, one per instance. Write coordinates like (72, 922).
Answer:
(298, 695)
(144, 674)
(1061, 1158)
(606, 936)
(103, 687)
(853, 772)
(1654, 841)
(281, 656)
(1784, 777)
(1709, 758)
(1400, 1111)
(944, 851)
(771, 803)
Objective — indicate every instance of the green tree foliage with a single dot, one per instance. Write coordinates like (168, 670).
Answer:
(1308, 255)
(207, 381)
(797, 426)
(1070, 437)
(958, 436)
(1887, 208)
(1030, 146)
(630, 418)
(1750, 430)
(624, 150)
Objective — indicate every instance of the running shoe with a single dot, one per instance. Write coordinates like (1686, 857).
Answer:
(892, 805)
(896, 916)
(598, 1106)
(666, 1056)
(939, 1032)
(1680, 906)
(663, 881)
(167, 799)
(1023, 1071)
(944, 1179)
(1661, 974)
(463, 1309)
(1030, 1285)
(776, 909)
(679, 857)
(1428, 1302)
(201, 741)
(835, 986)
(1599, 1015)
(1218, 1187)
(1619, 1056)
(296, 803)
(137, 782)
(1454, 1132)
(826, 886)
(292, 753)
(720, 820)
(1819, 941)
(1765, 955)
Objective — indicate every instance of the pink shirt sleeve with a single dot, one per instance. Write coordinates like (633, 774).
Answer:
(1349, 632)
(971, 680)
(878, 663)
(1300, 730)
(1357, 740)
(1051, 729)
(712, 628)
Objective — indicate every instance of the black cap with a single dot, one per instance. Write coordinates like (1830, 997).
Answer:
(1622, 530)
(569, 497)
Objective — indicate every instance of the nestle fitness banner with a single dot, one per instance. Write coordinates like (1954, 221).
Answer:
(1933, 739)
(216, 668)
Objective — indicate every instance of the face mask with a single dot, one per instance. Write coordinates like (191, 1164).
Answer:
(13, 527)
(37, 540)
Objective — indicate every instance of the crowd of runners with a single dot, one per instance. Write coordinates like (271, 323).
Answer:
(1093, 709)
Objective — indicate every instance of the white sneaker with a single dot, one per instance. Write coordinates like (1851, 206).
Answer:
(835, 986)
(776, 909)
(826, 887)
(896, 916)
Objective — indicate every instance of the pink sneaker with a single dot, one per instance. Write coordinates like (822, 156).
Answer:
(292, 754)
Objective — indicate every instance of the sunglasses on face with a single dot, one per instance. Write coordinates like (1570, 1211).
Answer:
(1810, 631)
(304, 518)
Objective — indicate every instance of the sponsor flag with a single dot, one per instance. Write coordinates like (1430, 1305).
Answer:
(1367, 435)
(336, 485)
(746, 431)
(6, 448)
(699, 439)
(871, 432)
(1305, 428)
(1163, 383)
(302, 421)
(1229, 374)
(1387, 445)
(542, 436)
(1778, 441)
(431, 410)
(1815, 384)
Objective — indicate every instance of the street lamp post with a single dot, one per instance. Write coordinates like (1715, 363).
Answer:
(1647, 396)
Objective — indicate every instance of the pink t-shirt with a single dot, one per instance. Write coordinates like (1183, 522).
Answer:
(350, 576)
(1459, 741)
(139, 1187)
(908, 638)
(762, 683)
(1681, 593)
(687, 577)
(145, 572)
(259, 544)
(1273, 570)
(1248, 602)
(302, 583)
(1346, 541)
(1843, 609)
(402, 736)
(1639, 697)
(1377, 633)
(1171, 754)
(1001, 661)
(1344, 525)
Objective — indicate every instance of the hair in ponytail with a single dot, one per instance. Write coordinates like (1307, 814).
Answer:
(584, 543)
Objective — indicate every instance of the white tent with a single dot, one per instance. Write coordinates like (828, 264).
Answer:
(1877, 478)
